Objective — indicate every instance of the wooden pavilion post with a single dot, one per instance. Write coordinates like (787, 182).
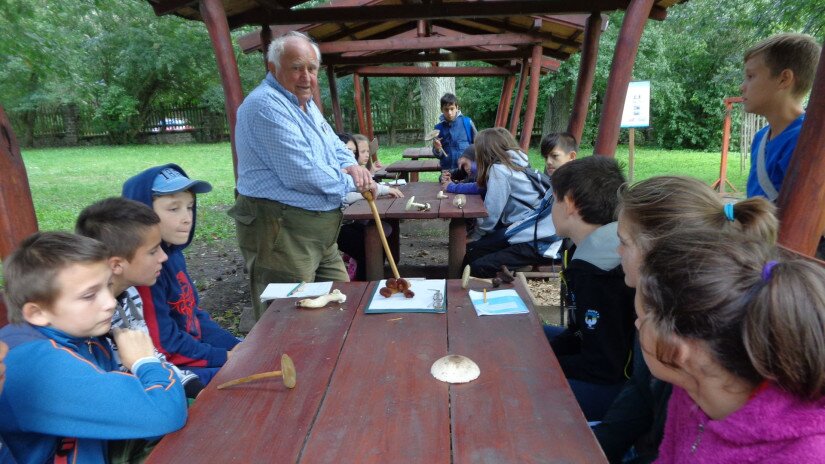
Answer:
(804, 184)
(620, 73)
(504, 102)
(533, 98)
(368, 109)
(359, 109)
(214, 17)
(516, 113)
(587, 71)
(316, 97)
(18, 220)
(266, 38)
(333, 95)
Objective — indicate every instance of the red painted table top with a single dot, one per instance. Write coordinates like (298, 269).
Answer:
(415, 153)
(419, 165)
(424, 192)
(365, 394)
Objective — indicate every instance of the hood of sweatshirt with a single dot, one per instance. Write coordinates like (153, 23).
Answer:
(519, 158)
(139, 188)
(599, 248)
(441, 118)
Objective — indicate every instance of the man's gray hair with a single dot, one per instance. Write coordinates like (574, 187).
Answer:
(276, 47)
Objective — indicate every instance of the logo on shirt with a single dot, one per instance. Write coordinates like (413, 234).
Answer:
(591, 318)
(185, 305)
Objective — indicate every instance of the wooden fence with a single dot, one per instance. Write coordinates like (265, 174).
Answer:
(68, 125)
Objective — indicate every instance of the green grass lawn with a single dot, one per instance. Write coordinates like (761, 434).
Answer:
(65, 180)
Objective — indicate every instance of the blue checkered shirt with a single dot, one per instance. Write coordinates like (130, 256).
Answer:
(288, 155)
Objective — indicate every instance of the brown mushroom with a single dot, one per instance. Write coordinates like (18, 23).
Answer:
(505, 275)
(385, 292)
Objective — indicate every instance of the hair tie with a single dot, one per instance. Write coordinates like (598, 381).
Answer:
(767, 270)
(729, 212)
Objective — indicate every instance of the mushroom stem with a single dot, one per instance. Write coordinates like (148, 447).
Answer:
(287, 372)
(377, 221)
(321, 301)
(465, 278)
(412, 204)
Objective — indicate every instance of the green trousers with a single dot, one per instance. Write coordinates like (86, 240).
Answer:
(282, 243)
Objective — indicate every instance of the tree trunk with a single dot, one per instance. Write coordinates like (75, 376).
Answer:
(432, 89)
(559, 107)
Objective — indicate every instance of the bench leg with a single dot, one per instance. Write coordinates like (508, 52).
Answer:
(373, 253)
(395, 239)
(413, 177)
(457, 247)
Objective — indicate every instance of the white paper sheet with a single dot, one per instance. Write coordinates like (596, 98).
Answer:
(311, 289)
(498, 302)
(424, 290)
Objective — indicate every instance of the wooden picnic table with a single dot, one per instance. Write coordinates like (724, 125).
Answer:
(416, 153)
(364, 392)
(391, 210)
(410, 168)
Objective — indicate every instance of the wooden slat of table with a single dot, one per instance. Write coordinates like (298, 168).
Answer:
(474, 208)
(512, 412)
(415, 153)
(386, 407)
(361, 208)
(421, 165)
(263, 421)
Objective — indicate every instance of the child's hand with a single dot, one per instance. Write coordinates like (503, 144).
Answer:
(465, 165)
(229, 353)
(446, 176)
(437, 144)
(395, 193)
(132, 345)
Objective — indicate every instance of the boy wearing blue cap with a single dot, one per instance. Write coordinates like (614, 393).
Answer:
(179, 328)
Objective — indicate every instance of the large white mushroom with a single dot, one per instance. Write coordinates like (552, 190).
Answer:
(455, 368)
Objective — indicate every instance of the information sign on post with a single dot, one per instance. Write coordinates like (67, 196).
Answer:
(636, 113)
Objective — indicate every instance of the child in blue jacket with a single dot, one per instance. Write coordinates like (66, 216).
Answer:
(455, 133)
(64, 393)
(182, 331)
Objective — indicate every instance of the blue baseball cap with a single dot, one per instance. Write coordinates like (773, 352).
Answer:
(172, 181)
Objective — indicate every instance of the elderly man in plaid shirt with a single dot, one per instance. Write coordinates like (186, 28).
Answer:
(293, 174)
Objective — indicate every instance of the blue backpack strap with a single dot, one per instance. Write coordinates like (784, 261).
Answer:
(468, 127)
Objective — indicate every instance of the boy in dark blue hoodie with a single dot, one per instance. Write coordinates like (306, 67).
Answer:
(455, 133)
(179, 328)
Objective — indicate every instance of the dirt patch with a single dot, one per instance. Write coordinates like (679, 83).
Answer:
(217, 269)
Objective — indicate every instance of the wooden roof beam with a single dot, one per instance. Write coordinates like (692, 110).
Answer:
(510, 27)
(436, 10)
(411, 71)
(423, 43)
(417, 57)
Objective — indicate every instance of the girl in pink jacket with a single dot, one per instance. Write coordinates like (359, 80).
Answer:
(741, 336)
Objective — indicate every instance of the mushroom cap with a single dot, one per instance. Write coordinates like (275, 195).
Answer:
(465, 276)
(431, 135)
(410, 202)
(288, 371)
(455, 368)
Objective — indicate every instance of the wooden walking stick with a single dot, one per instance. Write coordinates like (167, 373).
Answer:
(287, 372)
(368, 196)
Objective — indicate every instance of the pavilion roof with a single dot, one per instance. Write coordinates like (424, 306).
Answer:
(385, 31)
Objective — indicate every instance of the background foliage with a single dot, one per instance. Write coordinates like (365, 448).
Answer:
(116, 58)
